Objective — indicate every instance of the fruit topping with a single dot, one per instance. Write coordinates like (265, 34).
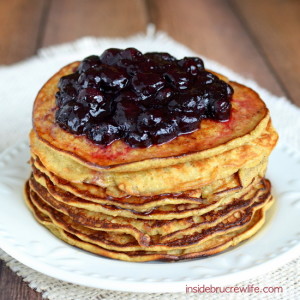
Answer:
(143, 99)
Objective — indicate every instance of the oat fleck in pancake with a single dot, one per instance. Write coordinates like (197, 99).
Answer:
(143, 157)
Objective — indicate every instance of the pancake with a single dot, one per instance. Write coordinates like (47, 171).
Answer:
(256, 198)
(134, 207)
(210, 244)
(135, 190)
(92, 218)
(97, 194)
(162, 212)
(171, 179)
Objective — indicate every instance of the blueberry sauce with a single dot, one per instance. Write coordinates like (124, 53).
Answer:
(143, 99)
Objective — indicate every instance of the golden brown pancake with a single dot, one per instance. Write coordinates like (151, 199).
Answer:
(98, 195)
(234, 214)
(162, 212)
(137, 205)
(210, 244)
(181, 177)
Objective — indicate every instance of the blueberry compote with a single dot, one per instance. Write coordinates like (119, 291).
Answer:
(143, 99)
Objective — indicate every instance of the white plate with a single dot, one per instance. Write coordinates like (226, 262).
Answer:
(24, 239)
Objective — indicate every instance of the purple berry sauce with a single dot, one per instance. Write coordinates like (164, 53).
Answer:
(142, 99)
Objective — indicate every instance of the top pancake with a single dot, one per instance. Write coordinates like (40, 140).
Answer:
(249, 117)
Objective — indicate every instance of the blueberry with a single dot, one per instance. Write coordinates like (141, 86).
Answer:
(162, 98)
(137, 139)
(110, 56)
(164, 95)
(160, 61)
(178, 79)
(141, 67)
(128, 95)
(68, 94)
(89, 62)
(159, 57)
(167, 131)
(229, 90)
(147, 84)
(62, 115)
(103, 133)
(90, 95)
(68, 81)
(131, 54)
(150, 120)
(221, 110)
(218, 90)
(191, 65)
(188, 122)
(194, 103)
(90, 78)
(202, 106)
(206, 78)
(114, 78)
(126, 114)
(126, 63)
(72, 116)
(94, 98)
(189, 102)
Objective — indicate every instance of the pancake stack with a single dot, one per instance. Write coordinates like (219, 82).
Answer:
(193, 196)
